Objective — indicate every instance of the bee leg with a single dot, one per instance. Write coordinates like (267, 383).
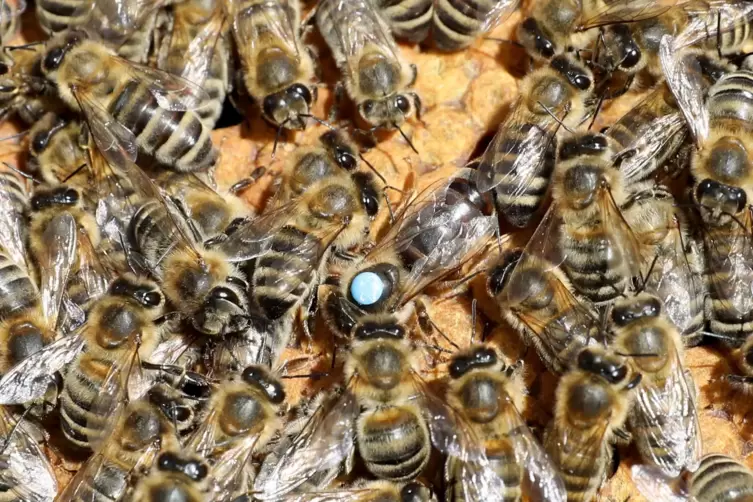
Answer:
(307, 315)
(244, 183)
(622, 436)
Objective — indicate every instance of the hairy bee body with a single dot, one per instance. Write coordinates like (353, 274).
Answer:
(722, 172)
(175, 475)
(23, 90)
(114, 321)
(720, 478)
(278, 70)
(58, 15)
(175, 138)
(374, 73)
(550, 28)
(456, 24)
(54, 149)
(519, 174)
(592, 400)
(408, 19)
(190, 20)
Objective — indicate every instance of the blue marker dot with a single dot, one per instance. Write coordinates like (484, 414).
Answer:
(366, 288)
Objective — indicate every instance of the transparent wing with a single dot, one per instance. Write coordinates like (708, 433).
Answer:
(334, 495)
(625, 12)
(543, 477)
(202, 440)
(326, 440)
(116, 20)
(653, 484)
(452, 435)
(261, 24)
(621, 234)
(58, 256)
(358, 28)
(13, 9)
(26, 469)
(172, 92)
(665, 415)
(30, 379)
(516, 155)
(230, 467)
(197, 48)
(711, 18)
(685, 79)
(640, 157)
(93, 273)
(501, 10)
(13, 225)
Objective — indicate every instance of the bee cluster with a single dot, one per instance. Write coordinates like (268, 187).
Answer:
(150, 322)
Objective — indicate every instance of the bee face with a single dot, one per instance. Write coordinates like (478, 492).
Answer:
(387, 112)
(224, 310)
(53, 58)
(146, 294)
(609, 367)
(415, 492)
(193, 468)
(720, 198)
(259, 377)
(633, 310)
(536, 39)
(289, 107)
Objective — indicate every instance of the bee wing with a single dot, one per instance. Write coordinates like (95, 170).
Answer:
(614, 221)
(59, 255)
(666, 415)
(359, 27)
(625, 12)
(543, 477)
(685, 80)
(202, 440)
(30, 379)
(580, 455)
(116, 20)
(527, 144)
(13, 224)
(27, 471)
(452, 435)
(200, 49)
(334, 495)
(325, 441)
(653, 484)
(252, 34)
(652, 139)
(14, 9)
(172, 92)
(94, 274)
(229, 467)
(709, 19)
(501, 10)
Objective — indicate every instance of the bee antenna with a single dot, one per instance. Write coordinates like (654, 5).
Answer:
(405, 137)
(16, 136)
(649, 354)
(473, 320)
(280, 128)
(75, 172)
(556, 118)
(22, 174)
(317, 120)
(434, 325)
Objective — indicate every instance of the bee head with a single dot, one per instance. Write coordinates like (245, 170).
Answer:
(60, 196)
(499, 276)
(371, 288)
(225, 309)
(536, 39)
(390, 111)
(344, 154)
(193, 468)
(415, 492)
(603, 364)
(262, 379)
(289, 107)
(634, 309)
(478, 358)
(59, 48)
(720, 198)
(146, 293)
(369, 193)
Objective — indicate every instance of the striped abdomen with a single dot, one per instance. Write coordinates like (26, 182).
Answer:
(730, 41)
(719, 478)
(394, 442)
(408, 19)
(17, 291)
(81, 387)
(729, 270)
(457, 23)
(519, 208)
(582, 474)
(178, 139)
(153, 232)
(730, 102)
(595, 264)
(502, 460)
(8, 21)
(109, 484)
(282, 277)
(58, 15)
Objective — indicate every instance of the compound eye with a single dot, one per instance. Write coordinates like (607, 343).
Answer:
(738, 195)
(705, 187)
(225, 294)
(40, 141)
(4, 68)
(71, 196)
(168, 462)
(272, 103)
(345, 159)
(53, 58)
(237, 281)
(582, 82)
(302, 91)
(403, 104)
(151, 299)
(368, 106)
(632, 57)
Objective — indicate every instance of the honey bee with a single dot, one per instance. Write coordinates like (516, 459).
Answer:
(592, 400)
(26, 473)
(324, 206)
(721, 190)
(554, 27)
(388, 416)
(133, 441)
(180, 395)
(55, 17)
(121, 328)
(129, 107)
(444, 227)
(374, 73)
(518, 162)
(24, 92)
(278, 70)
(241, 417)
(536, 299)
(454, 26)
(175, 475)
(490, 394)
(664, 419)
(197, 50)
(718, 477)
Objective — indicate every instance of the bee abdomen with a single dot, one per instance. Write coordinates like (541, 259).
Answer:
(394, 443)
(731, 99)
(109, 484)
(80, 391)
(457, 23)
(502, 459)
(56, 15)
(175, 138)
(281, 278)
(720, 479)
(408, 19)
(593, 268)
(147, 231)
(17, 292)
